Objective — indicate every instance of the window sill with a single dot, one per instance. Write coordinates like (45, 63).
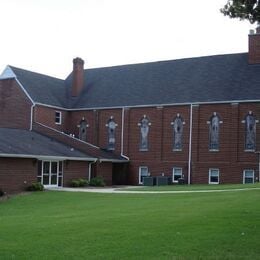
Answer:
(214, 150)
(249, 151)
(177, 150)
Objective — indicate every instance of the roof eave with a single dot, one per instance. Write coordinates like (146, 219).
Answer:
(46, 157)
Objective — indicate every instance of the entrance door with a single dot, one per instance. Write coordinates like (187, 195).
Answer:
(50, 172)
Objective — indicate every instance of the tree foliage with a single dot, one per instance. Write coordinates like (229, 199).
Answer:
(243, 9)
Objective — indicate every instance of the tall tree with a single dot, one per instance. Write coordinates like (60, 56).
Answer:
(243, 9)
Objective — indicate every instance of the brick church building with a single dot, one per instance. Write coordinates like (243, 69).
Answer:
(196, 119)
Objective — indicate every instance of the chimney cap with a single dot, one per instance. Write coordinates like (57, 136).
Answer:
(251, 31)
(78, 60)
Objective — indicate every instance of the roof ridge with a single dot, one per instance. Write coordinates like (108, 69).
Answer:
(164, 61)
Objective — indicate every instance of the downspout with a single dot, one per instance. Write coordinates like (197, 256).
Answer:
(122, 135)
(190, 144)
(89, 169)
(32, 108)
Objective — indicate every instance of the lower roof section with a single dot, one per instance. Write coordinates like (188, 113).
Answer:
(19, 143)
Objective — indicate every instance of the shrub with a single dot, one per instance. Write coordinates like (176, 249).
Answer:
(1, 193)
(74, 183)
(79, 183)
(97, 182)
(36, 186)
(83, 182)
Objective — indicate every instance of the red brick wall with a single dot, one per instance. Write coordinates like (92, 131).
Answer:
(74, 119)
(17, 174)
(231, 159)
(254, 49)
(97, 130)
(46, 115)
(15, 106)
(160, 158)
(74, 170)
(104, 170)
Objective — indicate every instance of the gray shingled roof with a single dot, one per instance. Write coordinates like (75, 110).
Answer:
(204, 79)
(195, 80)
(42, 88)
(24, 142)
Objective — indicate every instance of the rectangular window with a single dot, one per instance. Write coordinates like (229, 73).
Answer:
(39, 174)
(248, 176)
(213, 176)
(58, 117)
(176, 174)
(143, 172)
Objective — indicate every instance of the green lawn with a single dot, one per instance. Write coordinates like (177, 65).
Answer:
(63, 225)
(194, 187)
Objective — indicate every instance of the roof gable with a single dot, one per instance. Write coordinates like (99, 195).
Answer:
(41, 88)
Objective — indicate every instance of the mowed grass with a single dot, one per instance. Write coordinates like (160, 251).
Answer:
(64, 225)
(195, 187)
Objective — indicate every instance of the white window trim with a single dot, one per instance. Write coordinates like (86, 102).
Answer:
(58, 170)
(213, 169)
(173, 170)
(244, 175)
(139, 178)
(60, 118)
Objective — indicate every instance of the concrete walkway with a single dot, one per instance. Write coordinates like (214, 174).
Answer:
(120, 191)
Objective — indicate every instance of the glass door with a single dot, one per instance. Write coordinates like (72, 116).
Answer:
(50, 172)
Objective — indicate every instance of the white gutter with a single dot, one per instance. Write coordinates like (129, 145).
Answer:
(78, 140)
(113, 160)
(151, 105)
(190, 144)
(89, 169)
(31, 125)
(45, 157)
(122, 134)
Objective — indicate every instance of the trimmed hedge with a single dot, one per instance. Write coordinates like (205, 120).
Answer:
(79, 183)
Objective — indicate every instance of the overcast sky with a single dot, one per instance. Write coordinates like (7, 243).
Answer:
(45, 35)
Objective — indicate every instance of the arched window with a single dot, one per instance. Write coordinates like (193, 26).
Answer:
(250, 131)
(83, 129)
(177, 124)
(111, 126)
(214, 125)
(144, 125)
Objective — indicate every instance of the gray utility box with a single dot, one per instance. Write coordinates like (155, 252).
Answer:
(162, 180)
(149, 181)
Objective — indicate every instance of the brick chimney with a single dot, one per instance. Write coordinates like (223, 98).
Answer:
(254, 46)
(77, 76)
